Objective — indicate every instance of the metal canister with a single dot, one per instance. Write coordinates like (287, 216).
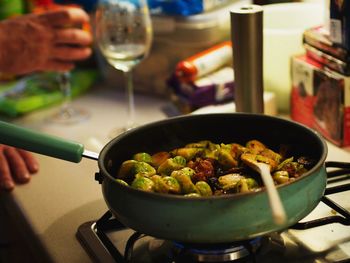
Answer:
(247, 47)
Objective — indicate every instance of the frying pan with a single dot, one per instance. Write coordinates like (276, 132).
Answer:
(216, 219)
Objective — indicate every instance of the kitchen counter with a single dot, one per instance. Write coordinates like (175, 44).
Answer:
(63, 195)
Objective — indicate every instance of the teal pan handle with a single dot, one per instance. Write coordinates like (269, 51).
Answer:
(41, 143)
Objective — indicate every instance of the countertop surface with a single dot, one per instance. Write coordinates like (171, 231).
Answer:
(64, 195)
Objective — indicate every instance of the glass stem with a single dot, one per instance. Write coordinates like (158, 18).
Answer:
(130, 98)
(66, 90)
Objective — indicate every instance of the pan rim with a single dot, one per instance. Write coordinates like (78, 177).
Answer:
(318, 166)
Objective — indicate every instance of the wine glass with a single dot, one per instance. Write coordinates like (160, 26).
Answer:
(67, 114)
(124, 36)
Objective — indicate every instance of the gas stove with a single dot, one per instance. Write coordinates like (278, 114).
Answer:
(322, 237)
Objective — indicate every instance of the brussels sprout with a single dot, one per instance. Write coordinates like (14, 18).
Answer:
(180, 160)
(187, 153)
(166, 184)
(129, 168)
(204, 188)
(238, 149)
(255, 146)
(250, 158)
(263, 159)
(252, 183)
(242, 186)
(229, 181)
(183, 176)
(185, 170)
(143, 183)
(159, 158)
(225, 157)
(126, 170)
(288, 160)
(210, 154)
(211, 151)
(213, 146)
(170, 165)
(122, 182)
(272, 155)
(172, 184)
(294, 169)
(143, 157)
(159, 185)
(280, 177)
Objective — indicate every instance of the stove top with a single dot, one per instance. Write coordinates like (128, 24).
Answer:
(322, 237)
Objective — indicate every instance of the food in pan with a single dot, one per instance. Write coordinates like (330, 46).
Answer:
(205, 168)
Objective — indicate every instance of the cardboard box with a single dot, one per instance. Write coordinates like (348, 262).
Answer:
(211, 89)
(319, 38)
(320, 99)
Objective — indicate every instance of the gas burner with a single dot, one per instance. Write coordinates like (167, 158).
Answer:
(107, 240)
(181, 252)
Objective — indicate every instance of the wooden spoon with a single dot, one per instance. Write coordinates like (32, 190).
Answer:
(278, 212)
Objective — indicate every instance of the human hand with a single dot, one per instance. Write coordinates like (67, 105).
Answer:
(49, 41)
(16, 167)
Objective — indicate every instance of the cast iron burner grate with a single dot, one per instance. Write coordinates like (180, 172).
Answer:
(163, 251)
(244, 251)
(333, 176)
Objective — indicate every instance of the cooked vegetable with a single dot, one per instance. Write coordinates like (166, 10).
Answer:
(280, 177)
(183, 176)
(171, 164)
(249, 158)
(143, 157)
(159, 158)
(166, 184)
(143, 183)
(187, 153)
(130, 168)
(226, 157)
(229, 181)
(242, 186)
(205, 168)
(204, 188)
(122, 182)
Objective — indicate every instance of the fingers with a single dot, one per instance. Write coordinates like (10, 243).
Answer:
(72, 36)
(30, 161)
(70, 53)
(63, 58)
(6, 180)
(17, 165)
(65, 16)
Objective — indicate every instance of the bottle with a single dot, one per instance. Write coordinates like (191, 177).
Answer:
(204, 62)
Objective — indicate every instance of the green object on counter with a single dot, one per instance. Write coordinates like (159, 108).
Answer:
(40, 143)
(10, 8)
(40, 90)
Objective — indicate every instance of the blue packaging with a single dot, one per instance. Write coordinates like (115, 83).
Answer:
(88, 5)
(184, 7)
